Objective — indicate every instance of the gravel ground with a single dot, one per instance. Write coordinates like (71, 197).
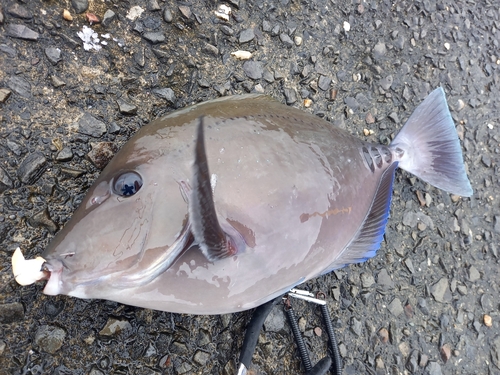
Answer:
(428, 303)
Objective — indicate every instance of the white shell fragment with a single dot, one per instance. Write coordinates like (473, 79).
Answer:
(90, 39)
(26, 272)
(242, 55)
(223, 12)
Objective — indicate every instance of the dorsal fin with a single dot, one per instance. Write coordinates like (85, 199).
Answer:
(367, 241)
(214, 242)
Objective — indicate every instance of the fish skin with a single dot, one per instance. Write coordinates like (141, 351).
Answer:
(296, 188)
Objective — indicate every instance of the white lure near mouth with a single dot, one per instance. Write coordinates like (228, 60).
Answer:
(27, 272)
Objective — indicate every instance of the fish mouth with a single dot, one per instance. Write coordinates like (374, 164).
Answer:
(53, 270)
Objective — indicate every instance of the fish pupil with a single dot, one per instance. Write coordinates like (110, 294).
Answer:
(127, 184)
(128, 190)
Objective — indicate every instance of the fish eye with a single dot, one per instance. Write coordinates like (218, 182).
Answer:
(127, 184)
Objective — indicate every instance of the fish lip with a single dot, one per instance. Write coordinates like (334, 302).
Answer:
(53, 268)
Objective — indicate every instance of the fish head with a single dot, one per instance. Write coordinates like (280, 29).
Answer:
(131, 224)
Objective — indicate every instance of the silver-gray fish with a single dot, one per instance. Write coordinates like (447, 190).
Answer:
(222, 206)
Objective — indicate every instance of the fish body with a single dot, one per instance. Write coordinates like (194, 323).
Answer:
(301, 196)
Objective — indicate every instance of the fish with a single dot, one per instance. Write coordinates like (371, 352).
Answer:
(224, 205)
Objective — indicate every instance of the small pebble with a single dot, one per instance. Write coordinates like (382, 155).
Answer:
(342, 349)
(275, 321)
(333, 94)
(367, 280)
(102, 153)
(383, 335)
(394, 117)
(167, 15)
(440, 290)
(395, 307)
(356, 327)
(4, 95)
(11, 312)
(153, 5)
(474, 274)
(408, 311)
(19, 11)
(89, 125)
(53, 55)
(185, 11)
(5, 183)
(421, 198)
(445, 352)
(109, 16)
(154, 37)
(241, 55)
(379, 364)
(253, 69)
(115, 326)
(223, 12)
(336, 293)
(166, 93)
(49, 338)
(134, 12)
(324, 82)
(80, 6)
(488, 322)
(65, 154)
(21, 32)
(31, 168)
(42, 219)
(424, 359)
(247, 35)
(67, 15)
(302, 325)
(287, 41)
(290, 96)
(201, 357)
(379, 50)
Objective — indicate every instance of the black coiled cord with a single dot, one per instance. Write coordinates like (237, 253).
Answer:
(337, 361)
(292, 318)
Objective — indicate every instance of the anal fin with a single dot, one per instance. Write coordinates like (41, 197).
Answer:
(215, 241)
(371, 233)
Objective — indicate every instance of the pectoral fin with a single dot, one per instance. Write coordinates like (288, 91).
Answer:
(215, 241)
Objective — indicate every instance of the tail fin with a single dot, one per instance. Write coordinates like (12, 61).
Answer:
(428, 146)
